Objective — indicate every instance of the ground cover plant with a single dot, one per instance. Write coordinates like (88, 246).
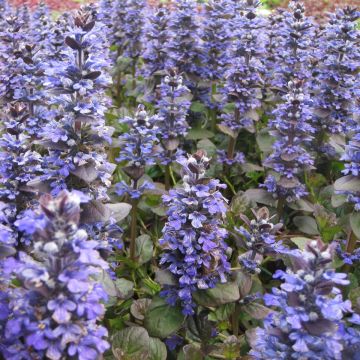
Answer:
(179, 180)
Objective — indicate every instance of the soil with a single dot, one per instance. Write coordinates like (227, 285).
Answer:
(56, 5)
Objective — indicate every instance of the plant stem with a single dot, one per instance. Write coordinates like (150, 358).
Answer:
(235, 319)
(167, 177)
(280, 207)
(133, 225)
(230, 154)
(350, 247)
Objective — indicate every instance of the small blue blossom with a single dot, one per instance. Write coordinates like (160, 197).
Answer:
(193, 241)
(56, 309)
(310, 309)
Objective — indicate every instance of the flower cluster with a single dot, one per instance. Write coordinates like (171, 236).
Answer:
(138, 150)
(173, 106)
(155, 36)
(291, 126)
(216, 37)
(258, 239)
(336, 82)
(183, 46)
(294, 52)
(244, 75)
(128, 27)
(310, 308)
(193, 240)
(77, 137)
(56, 309)
(349, 258)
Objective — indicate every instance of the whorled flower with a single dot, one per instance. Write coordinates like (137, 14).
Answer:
(294, 47)
(138, 149)
(258, 238)
(77, 137)
(12, 38)
(19, 165)
(183, 47)
(309, 310)
(244, 74)
(40, 24)
(292, 128)
(216, 36)
(106, 16)
(351, 172)
(173, 106)
(155, 36)
(127, 27)
(54, 311)
(193, 239)
(336, 84)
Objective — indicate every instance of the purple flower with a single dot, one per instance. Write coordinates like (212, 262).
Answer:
(257, 238)
(289, 160)
(58, 291)
(192, 237)
(310, 308)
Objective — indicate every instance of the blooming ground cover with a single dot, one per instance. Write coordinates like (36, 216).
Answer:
(179, 181)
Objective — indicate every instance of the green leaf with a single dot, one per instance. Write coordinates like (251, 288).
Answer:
(355, 223)
(132, 343)
(192, 352)
(244, 282)
(302, 205)
(300, 241)
(222, 312)
(256, 310)
(208, 146)
(347, 183)
(119, 211)
(139, 308)
(338, 200)
(306, 224)
(260, 196)
(125, 288)
(144, 249)
(199, 134)
(219, 295)
(227, 131)
(162, 320)
(197, 106)
(157, 350)
(265, 141)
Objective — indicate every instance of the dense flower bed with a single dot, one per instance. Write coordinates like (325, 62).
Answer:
(179, 181)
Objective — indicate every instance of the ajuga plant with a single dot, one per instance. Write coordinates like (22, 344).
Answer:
(54, 310)
(77, 137)
(138, 149)
(18, 163)
(290, 159)
(128, 30)
(173, 106)
(193, 239)
(105, 15)
(40, 24)
(336, 83)
(215, 34)
(216, 37)
(19, 93)
(243, 78)
(183, 47)
(307, 323)
(294, 51)
(12, 39)
(257, 238)
(155, 36)
(24, 15)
